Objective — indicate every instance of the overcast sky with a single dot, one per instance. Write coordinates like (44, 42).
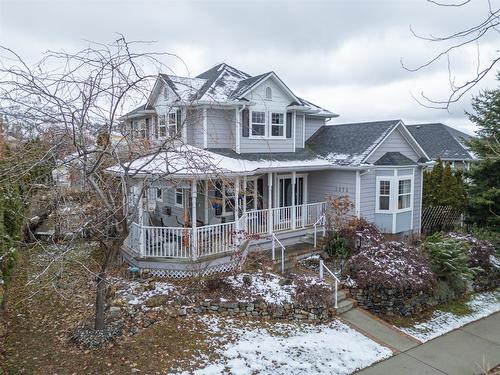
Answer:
(342, 55)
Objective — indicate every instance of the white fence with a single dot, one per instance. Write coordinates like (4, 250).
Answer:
(184, 243)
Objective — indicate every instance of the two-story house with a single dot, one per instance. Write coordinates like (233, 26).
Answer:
(254, 158)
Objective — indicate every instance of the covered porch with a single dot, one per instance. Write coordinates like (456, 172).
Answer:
(196, 219)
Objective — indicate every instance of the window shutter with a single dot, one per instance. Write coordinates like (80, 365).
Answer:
(178, 118)
(218, 194)
(289, 125)
(245, 122)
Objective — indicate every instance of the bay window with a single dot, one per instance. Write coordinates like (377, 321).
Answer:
(394, 194)
(384, 198)
(404, 194)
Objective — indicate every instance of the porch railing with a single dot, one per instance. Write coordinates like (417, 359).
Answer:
(184, 243)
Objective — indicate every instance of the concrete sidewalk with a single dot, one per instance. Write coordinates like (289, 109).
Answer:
(468, 350)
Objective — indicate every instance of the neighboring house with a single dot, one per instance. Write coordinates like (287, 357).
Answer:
(443, 142)
(262, 161)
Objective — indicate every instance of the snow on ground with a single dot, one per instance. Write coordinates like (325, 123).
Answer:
(267, 286)
(481, 304)
(290, 348)
(135, 296)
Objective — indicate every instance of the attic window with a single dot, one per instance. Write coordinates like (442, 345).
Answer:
(165, 93)
(269, 93)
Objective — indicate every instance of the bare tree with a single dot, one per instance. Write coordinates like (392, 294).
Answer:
(71, 99)
(454, 42)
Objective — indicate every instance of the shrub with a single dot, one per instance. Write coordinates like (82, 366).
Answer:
(391, 265)
(358, 233)
(449, 257)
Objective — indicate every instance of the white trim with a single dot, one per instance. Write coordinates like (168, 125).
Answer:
(399, 125)
(180, 205)
(205, 127)
(294, 129)
(303, 131)
(206, 202)
(238, 130)
(358, 194)
(277, 79)
(250, 125)
(270, 124)
(183, 124)
(277, 192)
(411, 198)
(394, 192)
(421, 197)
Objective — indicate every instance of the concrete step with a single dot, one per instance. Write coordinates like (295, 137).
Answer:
(345, 305)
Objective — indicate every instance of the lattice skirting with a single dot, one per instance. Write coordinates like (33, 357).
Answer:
(194, 271)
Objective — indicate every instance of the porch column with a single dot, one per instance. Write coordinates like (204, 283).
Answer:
(245, 195)
(194, 236)
(236, 202)
(294, 209)
(140, 220)
(206, 202)
(270, 202)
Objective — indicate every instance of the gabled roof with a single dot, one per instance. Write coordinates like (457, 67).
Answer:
(394, 159)
(350, 142)
(224, 83)
(441, 141)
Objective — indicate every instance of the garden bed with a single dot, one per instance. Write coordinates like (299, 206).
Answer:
(256, 294)
(452, 315)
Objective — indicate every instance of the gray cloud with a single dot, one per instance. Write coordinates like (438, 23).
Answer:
(341, 54)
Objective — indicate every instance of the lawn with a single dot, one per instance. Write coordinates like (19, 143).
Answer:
(50, 299)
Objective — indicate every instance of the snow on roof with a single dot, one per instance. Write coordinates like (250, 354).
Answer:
(188, 160)
(186, 87)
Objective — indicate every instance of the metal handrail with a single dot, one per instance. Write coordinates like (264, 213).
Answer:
(315, 225)
(282, 252)
(322, 276)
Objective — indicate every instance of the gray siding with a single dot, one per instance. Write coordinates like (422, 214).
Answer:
(367, 195)
(194, 124)
(312, 125)
(299, 131)
(249, 145)
(221, 128)
(417, 198)
(394, 143)
(324, 184)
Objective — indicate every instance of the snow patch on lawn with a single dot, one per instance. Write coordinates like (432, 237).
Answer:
(286, 348)
(267, 286)
(481, 304)
(135, 296)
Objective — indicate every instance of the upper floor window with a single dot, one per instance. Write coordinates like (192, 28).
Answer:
(168, 124)
(162, 125)
(269, 93)
(172, 123)
(165, 93)
(258, 124)
(179, 197)
(277, 124)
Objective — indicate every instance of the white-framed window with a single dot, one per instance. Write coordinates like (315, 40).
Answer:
(162, 126)
(172, 123)
(159, 194)
(258, 124)
(165, 93)
(179, 197)
(384, 195)
(277, 124)
(142, 129)
(404, 194)
(394, 194)
(269, 93)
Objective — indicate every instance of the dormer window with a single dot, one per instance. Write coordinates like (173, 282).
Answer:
(269, 93)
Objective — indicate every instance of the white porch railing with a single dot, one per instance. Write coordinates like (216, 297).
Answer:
(177, 242)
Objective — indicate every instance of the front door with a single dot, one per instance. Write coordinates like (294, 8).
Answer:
(285, 191)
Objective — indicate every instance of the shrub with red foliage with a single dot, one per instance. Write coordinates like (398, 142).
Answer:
(360, 233)
(391, 265)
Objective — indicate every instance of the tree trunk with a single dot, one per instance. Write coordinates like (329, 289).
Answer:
(100, 301)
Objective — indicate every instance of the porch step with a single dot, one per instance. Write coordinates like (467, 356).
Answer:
(293, 253)
(345, 305)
